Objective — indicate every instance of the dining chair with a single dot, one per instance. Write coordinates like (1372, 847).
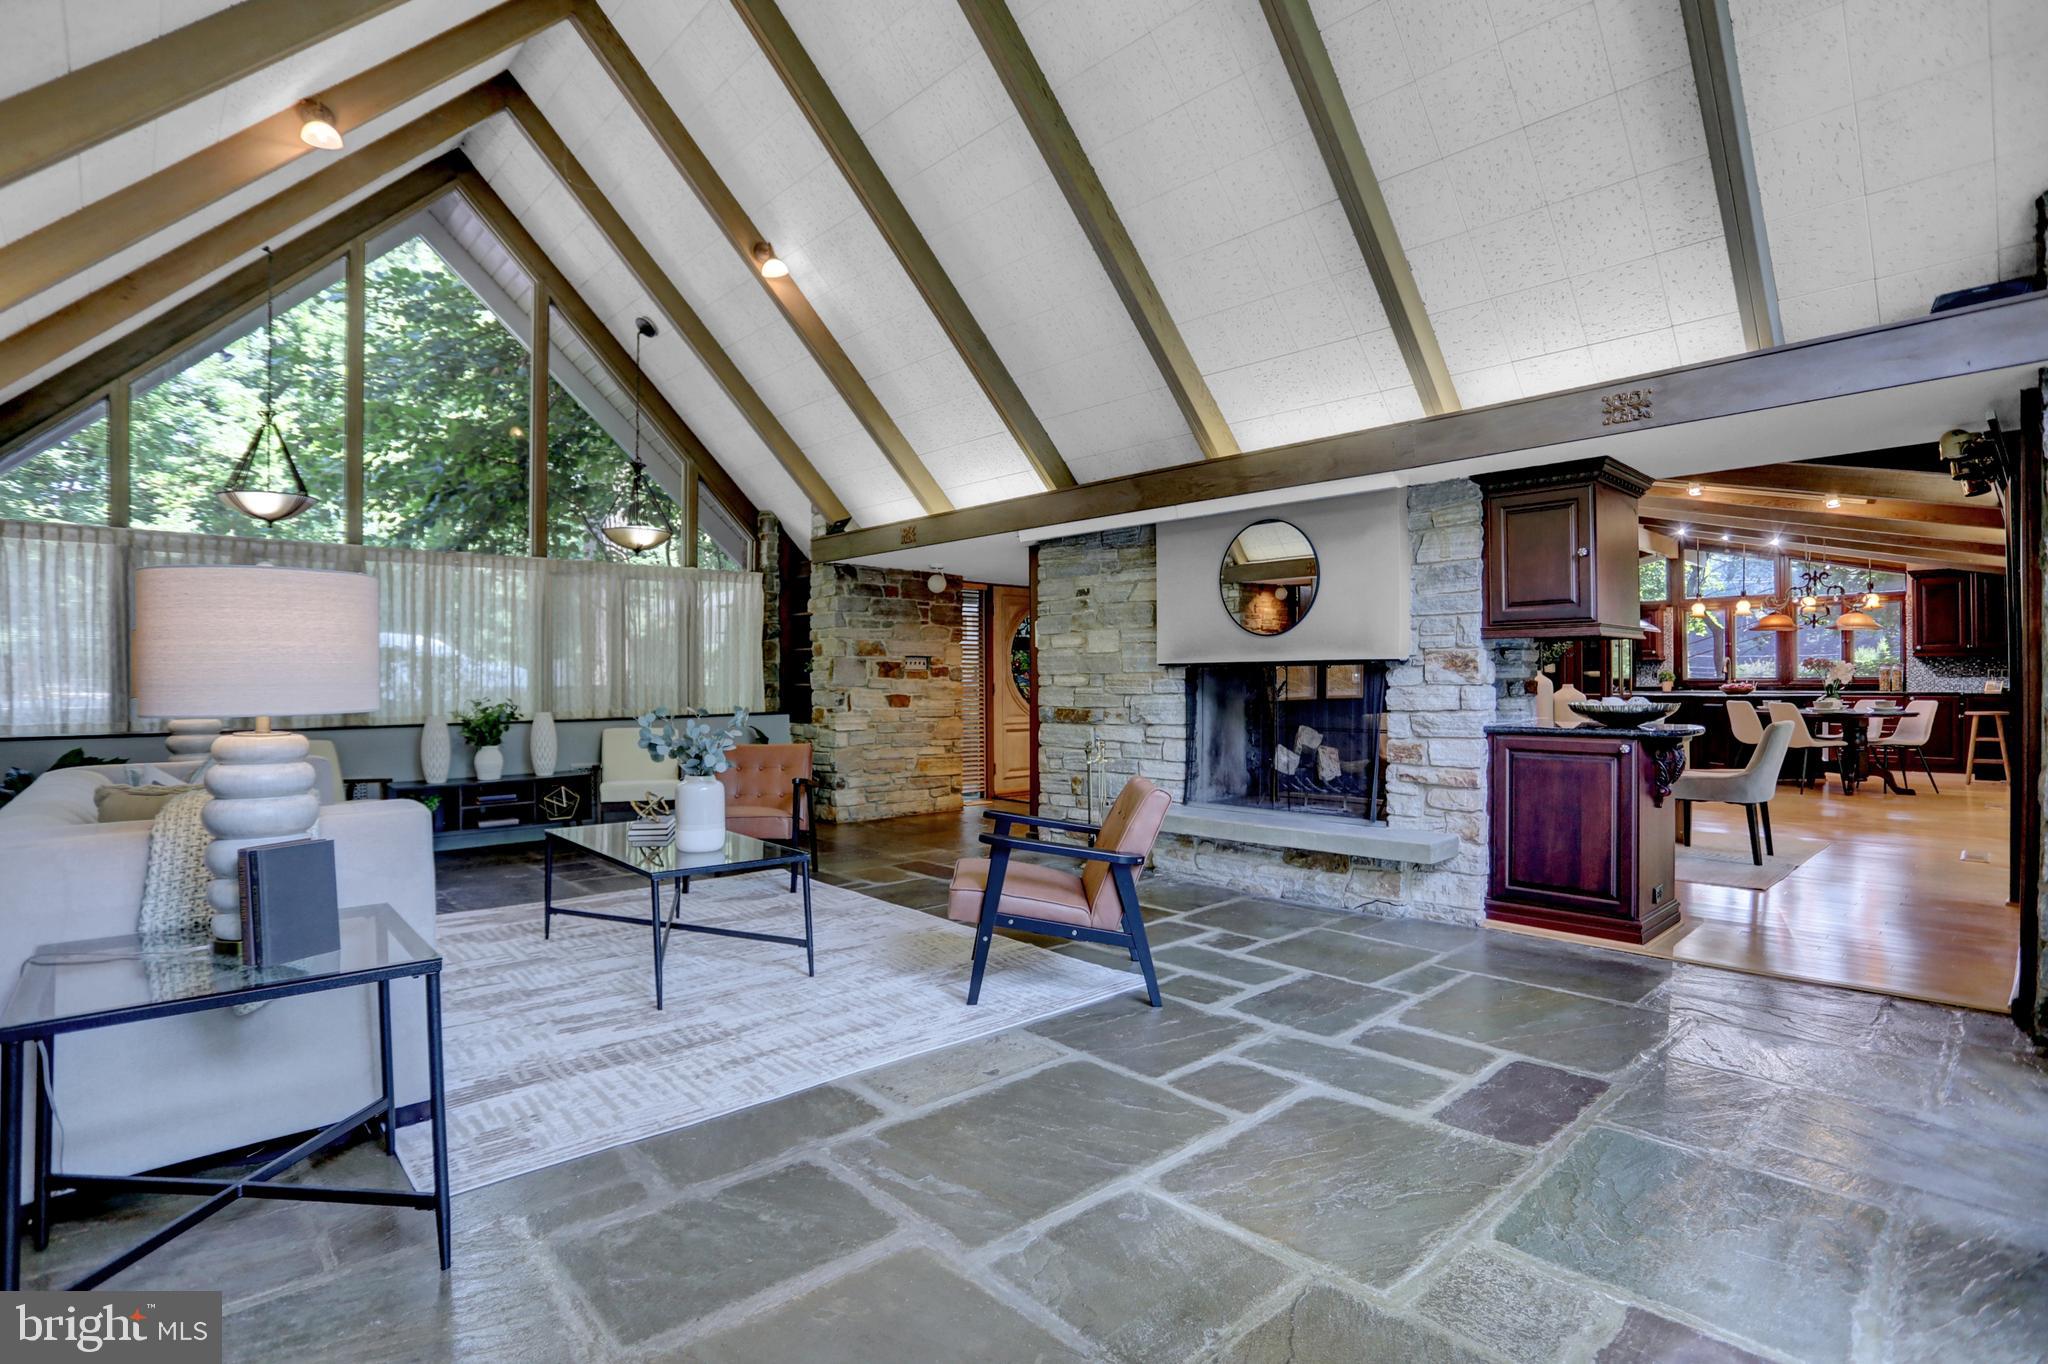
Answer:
(1744, 723)
(1098, 904)
(1909, 738)
(1804, 741)
(1751, 787)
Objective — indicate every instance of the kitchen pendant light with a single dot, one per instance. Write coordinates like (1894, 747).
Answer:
(263, 496)
(639, 531)
(1775, 620)
(1856, 618)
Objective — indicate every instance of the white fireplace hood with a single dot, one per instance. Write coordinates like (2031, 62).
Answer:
(1361, 603)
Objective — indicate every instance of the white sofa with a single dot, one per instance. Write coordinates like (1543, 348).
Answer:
(144, 1095)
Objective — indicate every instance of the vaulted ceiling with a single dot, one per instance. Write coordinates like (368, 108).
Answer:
(1064, 240)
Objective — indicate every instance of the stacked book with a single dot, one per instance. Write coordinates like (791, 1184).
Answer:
(646, 831)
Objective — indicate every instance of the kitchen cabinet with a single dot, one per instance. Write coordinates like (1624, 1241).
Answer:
(1957, 613)
(1561, 551)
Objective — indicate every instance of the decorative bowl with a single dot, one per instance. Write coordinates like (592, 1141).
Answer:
(1738, 688)
(1630, 714)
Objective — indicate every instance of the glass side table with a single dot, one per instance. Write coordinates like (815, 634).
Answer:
(105, 982)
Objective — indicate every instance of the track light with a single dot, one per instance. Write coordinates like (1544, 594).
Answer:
(316, 126)
(771, 264)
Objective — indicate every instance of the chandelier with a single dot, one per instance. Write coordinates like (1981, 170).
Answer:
(643, 524)
(262, 494)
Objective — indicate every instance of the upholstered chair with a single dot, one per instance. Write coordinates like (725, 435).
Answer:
(1909, 739)
(768, 795)
(1804, 741)
(1744, 723)
(1098, 903)
(626, 772)
(1751, 787)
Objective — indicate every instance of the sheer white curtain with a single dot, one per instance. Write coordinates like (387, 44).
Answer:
(585, 640)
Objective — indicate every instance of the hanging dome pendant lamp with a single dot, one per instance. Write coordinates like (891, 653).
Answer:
(640, 529)
(262, 495)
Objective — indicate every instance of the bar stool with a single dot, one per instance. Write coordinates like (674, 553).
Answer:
(1997, 736)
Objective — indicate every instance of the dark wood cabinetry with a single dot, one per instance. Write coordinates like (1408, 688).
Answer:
(1561, 551)
(468, 812)
(1580, 840)
(1958, 613)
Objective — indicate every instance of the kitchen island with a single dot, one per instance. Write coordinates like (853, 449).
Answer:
(1584, 831)
(1718, 748)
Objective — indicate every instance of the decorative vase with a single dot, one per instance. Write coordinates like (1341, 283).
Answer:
(700, 814)
(490, 763)
(434, 748)
(541, 751)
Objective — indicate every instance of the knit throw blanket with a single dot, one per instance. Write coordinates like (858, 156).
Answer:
(175, 909)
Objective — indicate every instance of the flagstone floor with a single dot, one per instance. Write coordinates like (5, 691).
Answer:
(1343, 1138)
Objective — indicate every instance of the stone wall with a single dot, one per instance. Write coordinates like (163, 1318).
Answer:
(884, 729)
(1098, 676)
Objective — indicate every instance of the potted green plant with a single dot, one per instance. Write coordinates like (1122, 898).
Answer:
(1666, 679)
(698, 749)
(483, 728)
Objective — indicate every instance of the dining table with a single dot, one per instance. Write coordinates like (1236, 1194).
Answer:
(1856, 726)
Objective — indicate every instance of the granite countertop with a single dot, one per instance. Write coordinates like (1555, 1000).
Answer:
(1665, 733)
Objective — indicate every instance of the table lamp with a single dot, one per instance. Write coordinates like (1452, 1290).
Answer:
(254, 640)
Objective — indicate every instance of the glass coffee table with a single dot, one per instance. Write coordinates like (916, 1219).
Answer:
(660, 862)
(96, 983)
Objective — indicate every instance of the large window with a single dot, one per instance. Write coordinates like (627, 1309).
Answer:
(192, 420)
(1724, 644)
(61, 477)
(445, 401)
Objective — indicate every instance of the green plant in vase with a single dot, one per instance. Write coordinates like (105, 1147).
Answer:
(483, 726)
(698, 747)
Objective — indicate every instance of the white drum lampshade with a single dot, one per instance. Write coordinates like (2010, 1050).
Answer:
(256, 641)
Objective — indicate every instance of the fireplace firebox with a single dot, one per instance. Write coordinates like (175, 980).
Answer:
(1290, 736)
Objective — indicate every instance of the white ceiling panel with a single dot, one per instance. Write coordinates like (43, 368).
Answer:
(1546, 169)
(1189, 118)
(736, 107)
(581, 102)
(48, 38)
(1899, 145)
(924, 98)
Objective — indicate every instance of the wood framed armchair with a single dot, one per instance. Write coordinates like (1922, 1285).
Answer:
(768, 796)
(1097, 904)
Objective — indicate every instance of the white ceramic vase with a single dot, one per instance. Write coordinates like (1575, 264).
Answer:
(700, 814)
(434, 748)
(490, 763)
(540, 745)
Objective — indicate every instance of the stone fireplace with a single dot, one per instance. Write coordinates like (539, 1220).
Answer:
(1295, 737)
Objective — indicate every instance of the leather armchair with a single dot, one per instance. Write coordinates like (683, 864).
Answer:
(768, 795)
(1097, 904)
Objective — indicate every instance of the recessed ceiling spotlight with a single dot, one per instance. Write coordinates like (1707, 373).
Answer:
(1832, 502)
(1695, 490)
(771, 264)
(1726, 538)
(1682, 532)
(1777, 541)
(316, 126)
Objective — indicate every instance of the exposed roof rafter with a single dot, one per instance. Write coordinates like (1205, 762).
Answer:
(1329, 116)
(112, 305)
(1710, 37)
(54, 252)
(1904, 549)
(808, 87)
(46, 123)
(669, 299)
(1710, 510)
(1036, 104)
(646, 100)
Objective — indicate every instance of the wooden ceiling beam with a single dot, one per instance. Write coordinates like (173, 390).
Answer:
(1717, 511)
(644, 97)
(58, 250)
(1358, 188)
(77, 324)
(1710, 38)
(1036, 104)
(1822, 479)
(1901, 551)
(597, 334)
(61, 118)
(669, 299)
(808, 87)
(2008, 335)
(199, 316)
(1979, 515)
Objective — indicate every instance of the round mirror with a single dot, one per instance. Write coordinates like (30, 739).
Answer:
(1269, 577)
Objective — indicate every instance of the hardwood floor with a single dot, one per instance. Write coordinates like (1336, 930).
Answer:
(1907, 898)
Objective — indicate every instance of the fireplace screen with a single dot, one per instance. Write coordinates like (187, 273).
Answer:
(1295, 736)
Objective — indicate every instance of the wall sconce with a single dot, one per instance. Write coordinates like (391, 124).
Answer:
(771, 264)
(316, 126)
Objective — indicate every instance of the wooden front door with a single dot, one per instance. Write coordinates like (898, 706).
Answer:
(1011, 659)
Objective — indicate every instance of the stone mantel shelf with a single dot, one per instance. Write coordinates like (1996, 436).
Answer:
(1312, 833)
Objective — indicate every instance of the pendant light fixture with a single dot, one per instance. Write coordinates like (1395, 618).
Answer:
(261, 494)
(644, 525)
(1871, 601)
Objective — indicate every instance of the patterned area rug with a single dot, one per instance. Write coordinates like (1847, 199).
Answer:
(554, 1048)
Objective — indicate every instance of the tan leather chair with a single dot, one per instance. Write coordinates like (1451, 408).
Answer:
(768, 795)
(1097, 904)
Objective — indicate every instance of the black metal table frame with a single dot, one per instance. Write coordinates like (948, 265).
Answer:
(796, 859)
(256, 1184)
